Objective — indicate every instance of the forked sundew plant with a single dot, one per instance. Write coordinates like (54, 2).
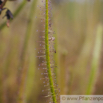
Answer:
(45, 53)
(50, 44)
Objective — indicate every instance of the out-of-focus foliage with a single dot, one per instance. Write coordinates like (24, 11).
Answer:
(78, 30)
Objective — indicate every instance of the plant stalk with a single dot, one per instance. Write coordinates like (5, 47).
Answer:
(95, 61)
(47, 53)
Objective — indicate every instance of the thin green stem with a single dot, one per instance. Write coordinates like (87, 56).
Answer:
(47, 53)
(23, 73)
(95, 61)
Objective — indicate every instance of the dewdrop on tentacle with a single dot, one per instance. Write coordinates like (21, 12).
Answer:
(52, 38)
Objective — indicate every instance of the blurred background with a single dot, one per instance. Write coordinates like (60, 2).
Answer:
(78, 26)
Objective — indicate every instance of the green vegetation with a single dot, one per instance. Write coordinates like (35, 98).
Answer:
(33, 66)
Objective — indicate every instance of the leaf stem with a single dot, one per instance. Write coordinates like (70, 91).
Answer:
(23, 73)
(95, 61)
(47, 53)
